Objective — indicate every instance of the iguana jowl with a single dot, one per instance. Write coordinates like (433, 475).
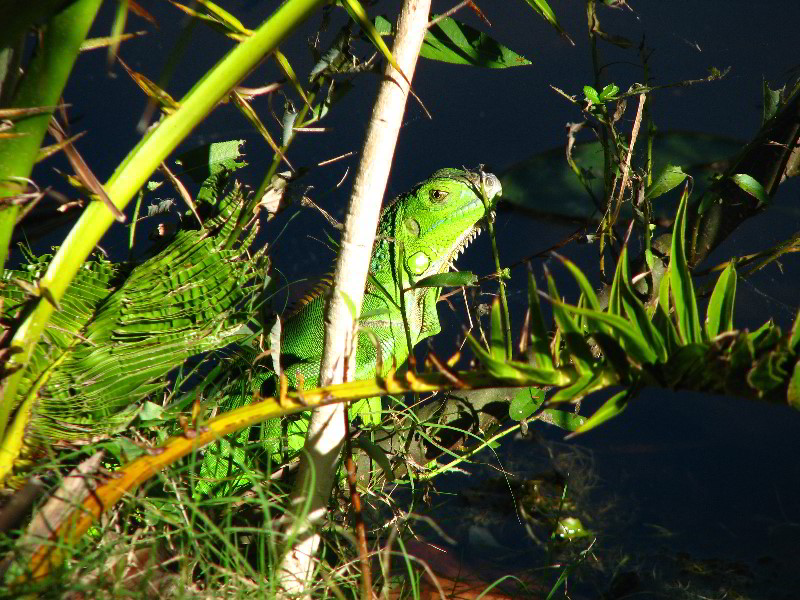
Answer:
(420, 233)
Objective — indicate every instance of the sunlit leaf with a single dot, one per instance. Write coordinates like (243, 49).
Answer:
(563, 419)
(544, 11)
(453, 42)
(583, 386)
(497, 334)
(681, 280)
(540, 341)
(583, 283)
(671, 177)
(719, 316)
(639, 319)
(750, 185)
(516, 371)
(579, 350)
(610, 409)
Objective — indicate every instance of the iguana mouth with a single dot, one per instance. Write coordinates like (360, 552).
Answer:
(462, 245)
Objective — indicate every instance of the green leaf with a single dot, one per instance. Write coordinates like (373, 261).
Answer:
(516, 371)
(681, 280)
(525, 402)
(210, 159)
(540, 341)
(750, 185)
(579, 350)
(668, 179)
(369, 409)
(563, 419)
(449, 279)
(453, 42)
(626, 334)
(544, 11)
(610, 409)
(719, 316)
(591, 94)
(497, 333)
(383, 25)
(583, 386)
(772, 102)
(641, 322)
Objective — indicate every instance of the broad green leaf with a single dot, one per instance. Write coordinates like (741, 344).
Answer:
(610, 409)
(719, 316)
(671, 177)
(681, 280)
(453, 42)
(540, 340)
(750, 185)
(670, 335)
(525, 402)
(449, 279)
(497, 333)
(591, 94)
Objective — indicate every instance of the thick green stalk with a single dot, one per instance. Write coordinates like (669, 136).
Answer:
(137, 167)
(42, 85)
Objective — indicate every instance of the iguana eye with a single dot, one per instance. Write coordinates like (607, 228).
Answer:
(438, 195)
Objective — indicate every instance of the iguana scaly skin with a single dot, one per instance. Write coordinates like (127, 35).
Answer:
(420, 233)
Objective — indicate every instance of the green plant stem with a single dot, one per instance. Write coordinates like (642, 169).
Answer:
(503, 301)
(42, 85)
(137, 167)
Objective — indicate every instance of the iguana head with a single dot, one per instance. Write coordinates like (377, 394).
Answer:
(439, 217)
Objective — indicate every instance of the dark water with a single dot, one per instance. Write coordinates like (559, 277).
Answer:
(715, 478)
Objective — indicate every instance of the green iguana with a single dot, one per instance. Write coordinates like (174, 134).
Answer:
(420, 233)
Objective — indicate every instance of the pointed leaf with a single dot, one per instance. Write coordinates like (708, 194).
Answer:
(498, 338)
(681, 280)
(719, 316)
(583, 282)
(671, 177)
(612, 407)
(750, 185)
(540, 341)
(544, 10)
(579, 350)
(453, 42)
(638, 318)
